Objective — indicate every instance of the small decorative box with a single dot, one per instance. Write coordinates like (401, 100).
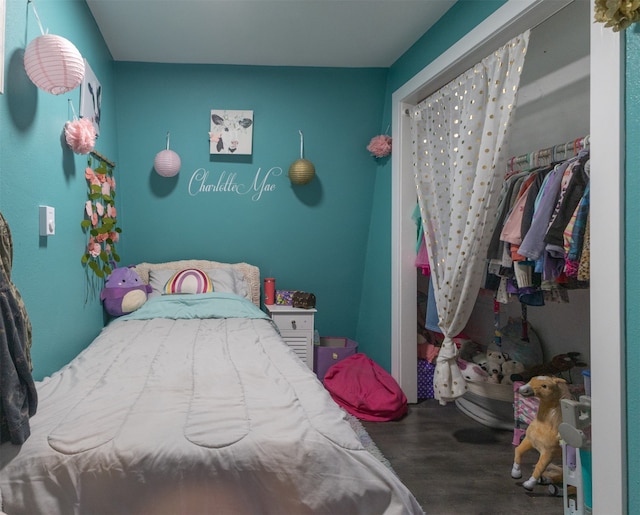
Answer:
(284, 297)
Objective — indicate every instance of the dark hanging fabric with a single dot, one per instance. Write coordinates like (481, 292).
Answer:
(18, 396)
(569, 202)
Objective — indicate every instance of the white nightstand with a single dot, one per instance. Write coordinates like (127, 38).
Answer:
(296, 328)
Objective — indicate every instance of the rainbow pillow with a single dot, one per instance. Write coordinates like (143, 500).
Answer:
(191, 280)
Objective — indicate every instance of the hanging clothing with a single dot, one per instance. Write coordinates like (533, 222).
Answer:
(536, 185)
(432, 322)
(507, 195)
(533, 244)
(18, 396)
(584, 269)
(422, 254)
(569, 200)
(574, 235)
(542, 233)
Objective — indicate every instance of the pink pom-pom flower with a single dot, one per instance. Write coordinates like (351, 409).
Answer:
(380, 146)
(80, 135)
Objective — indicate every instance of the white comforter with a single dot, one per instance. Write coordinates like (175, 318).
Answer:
(192, 416)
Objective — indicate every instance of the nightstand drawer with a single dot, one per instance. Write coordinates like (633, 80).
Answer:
(296, 328)
(286, 322)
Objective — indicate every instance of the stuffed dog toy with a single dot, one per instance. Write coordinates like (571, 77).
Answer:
(542, 434)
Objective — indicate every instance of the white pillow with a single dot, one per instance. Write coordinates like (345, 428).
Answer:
(228, 280)
(157, 280)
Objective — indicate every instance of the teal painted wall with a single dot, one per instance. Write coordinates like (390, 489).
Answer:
(632, 265)
(374, 323)
(37, 168)
(310, 237)
(331, 237)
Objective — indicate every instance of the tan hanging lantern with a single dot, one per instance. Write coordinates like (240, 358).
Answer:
(302, 170)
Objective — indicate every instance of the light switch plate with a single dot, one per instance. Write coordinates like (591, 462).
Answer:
(47, 221)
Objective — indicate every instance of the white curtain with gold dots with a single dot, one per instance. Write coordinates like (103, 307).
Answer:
(459, 137)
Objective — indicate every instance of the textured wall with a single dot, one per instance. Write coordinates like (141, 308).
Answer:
(37, 168)
(243, 207)
(632, 253)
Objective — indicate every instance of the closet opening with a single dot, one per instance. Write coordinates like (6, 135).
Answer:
(564, 79)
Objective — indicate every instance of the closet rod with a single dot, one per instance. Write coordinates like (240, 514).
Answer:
(547, 155)
(97, 154)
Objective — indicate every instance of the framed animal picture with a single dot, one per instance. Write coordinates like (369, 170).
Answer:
(231, 132)
(91, 97)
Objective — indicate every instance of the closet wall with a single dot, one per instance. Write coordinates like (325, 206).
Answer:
(553, 108)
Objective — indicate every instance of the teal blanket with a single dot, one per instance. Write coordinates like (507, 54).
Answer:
(204, 305)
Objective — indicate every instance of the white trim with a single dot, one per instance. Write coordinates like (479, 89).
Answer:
(607, 307)
(607, 280)
(507, 22)
(404, 282)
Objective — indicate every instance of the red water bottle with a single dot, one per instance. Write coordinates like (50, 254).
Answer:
(269, 290)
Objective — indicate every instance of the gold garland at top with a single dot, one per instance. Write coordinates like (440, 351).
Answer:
(617, 14)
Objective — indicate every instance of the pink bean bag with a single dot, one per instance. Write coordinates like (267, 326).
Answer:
(364, 389)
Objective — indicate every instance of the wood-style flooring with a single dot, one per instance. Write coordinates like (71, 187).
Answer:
(455, 465)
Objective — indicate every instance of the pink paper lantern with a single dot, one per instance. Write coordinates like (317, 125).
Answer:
(167, 163)
(54, 64)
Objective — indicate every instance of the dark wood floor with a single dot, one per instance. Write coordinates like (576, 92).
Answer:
(455, 465)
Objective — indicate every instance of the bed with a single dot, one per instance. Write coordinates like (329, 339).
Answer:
(193, 404)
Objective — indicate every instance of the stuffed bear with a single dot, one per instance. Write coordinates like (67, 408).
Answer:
(509, 368)
(495, 359)
(123, 292)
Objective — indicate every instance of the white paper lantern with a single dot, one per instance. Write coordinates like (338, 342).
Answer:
(167, 163)
(54, 64)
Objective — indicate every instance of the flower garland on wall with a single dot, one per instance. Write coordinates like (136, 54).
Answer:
(617, 14)
(100, 220)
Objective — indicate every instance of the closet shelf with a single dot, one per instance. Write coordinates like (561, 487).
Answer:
(555, 81)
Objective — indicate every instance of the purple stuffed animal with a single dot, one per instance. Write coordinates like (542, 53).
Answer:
(124, 292)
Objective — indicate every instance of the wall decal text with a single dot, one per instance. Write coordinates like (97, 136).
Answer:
(203, 181)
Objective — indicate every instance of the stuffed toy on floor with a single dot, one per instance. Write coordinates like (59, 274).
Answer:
(124, 292)
(542, 433)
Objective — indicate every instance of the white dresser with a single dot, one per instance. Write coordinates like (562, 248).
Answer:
(296, 327)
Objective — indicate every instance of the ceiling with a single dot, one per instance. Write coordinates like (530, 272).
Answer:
(324, 33)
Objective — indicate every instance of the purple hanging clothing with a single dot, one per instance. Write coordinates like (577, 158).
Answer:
(533, 243)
